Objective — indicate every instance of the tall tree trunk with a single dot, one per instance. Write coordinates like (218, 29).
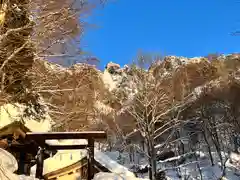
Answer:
(153, 153)
(17, 51)
(215, 139)
(208, 145)
(149, 160)
(153, 160)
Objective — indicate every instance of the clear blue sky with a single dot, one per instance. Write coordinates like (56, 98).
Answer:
(169, 27)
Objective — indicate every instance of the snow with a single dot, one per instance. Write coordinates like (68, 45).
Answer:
(8, 164)
(112, 165)
(188, 169)
(235, 169)
(235, 157)
(61, 159)
(103, 108)
(14, 112)
(67, 142)
(112, 176)
(8, 160)
(23, 177)
(108, 81)
(10, 113)
(53, 67)
(198, 90)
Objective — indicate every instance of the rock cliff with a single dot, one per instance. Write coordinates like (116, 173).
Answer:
(82, 97)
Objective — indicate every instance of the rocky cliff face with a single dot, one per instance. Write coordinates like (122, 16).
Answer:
(82, 97)
(198, 81)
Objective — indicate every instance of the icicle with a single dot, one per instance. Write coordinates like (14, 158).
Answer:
(60, 157)
(51, 154)
(71, 156)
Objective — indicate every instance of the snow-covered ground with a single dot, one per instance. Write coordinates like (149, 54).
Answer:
(112, 176)
(189, 170)
(8, 164)
(113, 160)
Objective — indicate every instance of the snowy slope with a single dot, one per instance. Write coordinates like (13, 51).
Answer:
(112, 176)
(112, 165)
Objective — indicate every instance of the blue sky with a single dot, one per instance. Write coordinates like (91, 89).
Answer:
(167, 27)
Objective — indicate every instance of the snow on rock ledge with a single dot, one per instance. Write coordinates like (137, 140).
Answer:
(108, 81)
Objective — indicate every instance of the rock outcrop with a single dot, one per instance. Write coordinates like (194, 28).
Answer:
(105, 94)
(197, 80)
(81, 97)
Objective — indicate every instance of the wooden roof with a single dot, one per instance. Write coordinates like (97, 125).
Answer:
(15, 127)
(75, 166)
(18, 129)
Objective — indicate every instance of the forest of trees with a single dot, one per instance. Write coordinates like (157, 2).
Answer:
(194, 98)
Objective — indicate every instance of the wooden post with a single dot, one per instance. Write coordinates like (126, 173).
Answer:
(28, 172)
(39, 170)
(21, 162)
(90, 158)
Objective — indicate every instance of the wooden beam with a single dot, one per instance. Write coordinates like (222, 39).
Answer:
(21, 162)
(39, 170)
(67, 135)
(90, 159)
(27, 147)
(61, 147)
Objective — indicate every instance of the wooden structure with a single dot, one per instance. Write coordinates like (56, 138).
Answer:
(40, 138)
(80, 167)
(13, 139)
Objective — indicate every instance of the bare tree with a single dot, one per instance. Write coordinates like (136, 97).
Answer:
(150, 109)
(17, 50)
(36, 29)
(69, 93)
